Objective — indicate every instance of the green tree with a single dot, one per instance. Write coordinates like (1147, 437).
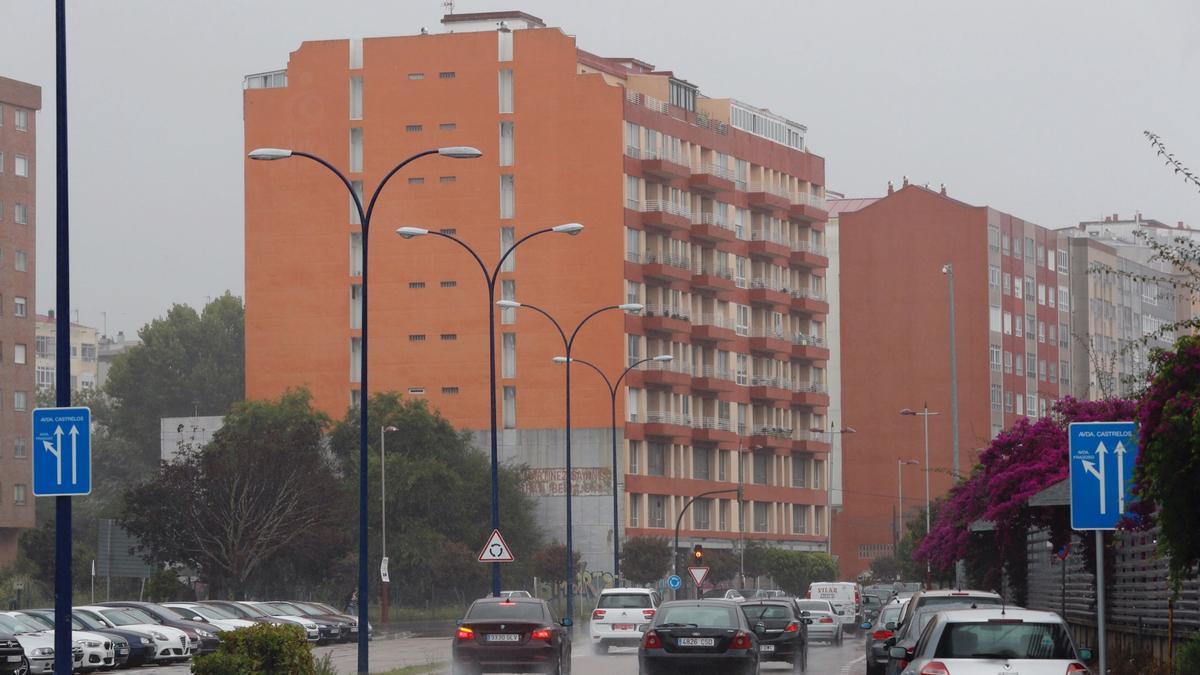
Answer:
(263, 494)
(754, 559)
(886, 568)
(723, 565)
(645, 560)
(188, 363)
(550, 563)
(793, 571)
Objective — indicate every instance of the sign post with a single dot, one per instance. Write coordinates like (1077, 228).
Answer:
(1102, 456)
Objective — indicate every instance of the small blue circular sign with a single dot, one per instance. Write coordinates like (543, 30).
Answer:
(674, 581)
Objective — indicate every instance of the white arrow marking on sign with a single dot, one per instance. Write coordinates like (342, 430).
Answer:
(1090, 467)
(1120, 451)
(57, 450)
(74, 464)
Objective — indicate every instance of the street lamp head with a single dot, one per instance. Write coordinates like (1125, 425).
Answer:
(947, 269)
(410, 232)
(908, 411)
(664, 357)
(390, 428)
(507, 304)
(460, 152)
(633, 307)
(568, 228)
(848, 430)
(816, 430)
(561, 359)
(269, 154)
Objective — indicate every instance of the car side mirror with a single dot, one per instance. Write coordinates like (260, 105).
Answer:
(567, 622)
(898, 652)
(889, 642)
(458, 622)
(866, 625)
(806, 613)
(760, 628)
(1085, 654)
(841, 613)
(891, 625)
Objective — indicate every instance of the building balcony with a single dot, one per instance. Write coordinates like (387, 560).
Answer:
(809, 302)
(711, 227)
(808, 207)
(669, 424)
(709, 177)
(810, 395)
(665, 215)
(673, 374)
(773, 389)
(771, 437)
(768, 198)
(713, 278)
(714, 379)
(805, 254)
(659, 319)
(666, 266)
(810, 347)
(713, 328)
(713, 430)
(810, 441)
(659, 165)
(775, 342)
(762, 291)
(767, 244)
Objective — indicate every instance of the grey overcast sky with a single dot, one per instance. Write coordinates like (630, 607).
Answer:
(1032, 107)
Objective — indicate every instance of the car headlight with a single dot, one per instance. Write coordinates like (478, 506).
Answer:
(91, 644)
(147, 641)
(310, 625)
(203, 633)
(43, 651)
(159, 636)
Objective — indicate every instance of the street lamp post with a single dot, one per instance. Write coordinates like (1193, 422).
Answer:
(568, 345)
(385, 599)
(924, 414)
(900, 499)
(613, 388)
(364, 215)
(491, 277)
(948, 270)
(829, 481)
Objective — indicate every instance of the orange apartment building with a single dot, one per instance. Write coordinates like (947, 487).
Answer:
(19, 103)
(1012, 298)
(708, 211)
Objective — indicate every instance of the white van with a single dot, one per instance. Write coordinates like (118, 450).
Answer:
(846, 598)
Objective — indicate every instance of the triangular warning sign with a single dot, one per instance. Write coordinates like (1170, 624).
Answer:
(699, 574)
(496, 551)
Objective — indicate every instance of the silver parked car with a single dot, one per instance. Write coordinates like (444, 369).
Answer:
(823, 621)
(990, 641)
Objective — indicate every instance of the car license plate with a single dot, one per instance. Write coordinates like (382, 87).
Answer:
(696, 642)
(623, 626)
(503, 637)
(766, 648)
(14, 659)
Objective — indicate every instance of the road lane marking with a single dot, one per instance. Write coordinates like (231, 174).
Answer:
(849, 668)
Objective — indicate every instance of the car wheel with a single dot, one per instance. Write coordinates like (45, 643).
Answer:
(22, 669)
(838, 639)
(600, 647)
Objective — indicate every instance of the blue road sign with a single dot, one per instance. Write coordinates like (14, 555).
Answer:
(62, 451)
(1102, 455)
(674, 581)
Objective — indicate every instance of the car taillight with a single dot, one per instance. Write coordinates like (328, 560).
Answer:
(651, 640)
(792, 627)
(935, 668)
(648, 613)
(881, 635)
(465, 633)
(826, 619)
(1077, 668)
(597, 614)
(740, 641)
(541, 634)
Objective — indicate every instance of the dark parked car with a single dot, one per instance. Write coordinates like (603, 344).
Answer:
(11, 653)
(699, 636)
(205, 635)
(782, 633)
(347, 626)
(240, 611)
(322, 607)
(131, 648)
(332, 630)
(506, 634)
(879, 631)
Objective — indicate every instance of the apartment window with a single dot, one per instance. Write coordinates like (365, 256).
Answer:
(510, 407)
(413, 128)
(356, 306)
(1042, 371)
(1053, 372)
(507, 196)
(1063, 371)
(994, 276)
(995, 398)
(742, 327)
(1020, 364)
(44, 346)
(658, 511)
(1030, 289)
(18, 494)
(507, 150)
(1063, 296)
(508, 291)
(356, 149)
(20, 447)
(723, 465)
(1041, 256)
(1041, 331)
(449, 284)
(1050, 297)
(800, 518)
(1029, 250)
(446, 75)
(449, 337)
(1063, 335)
(656, 459)
(994, 319)
(1041, 294)
(508, 366)
(447, 126)
(1008, 323)
(1017, 286)
(508, 239)
(635, 508)
(356, 53)
(799, 472)
(506, 90)
(21, 261)
(633, 406)
(761, 464)
(20, 401)
(504, 41)
(416, 284)
(416, 180)
(994, 357)
(2, 164)
(994, 237)
(1030, 325)
(416, 391)
(633, 292)
(355, 359)
(21, 166)
(1030, 365)
(45, 377)
(355, 215)
(701, 458)
(449, 391)
(356, 97)
(701, 514)
(743, 369)
(1005, 243)
(1062, 262)
(19, 356)
(1, 209)
(21, 119)
(19, 306)
(447, 179)
(1007, 287)
(723, 515)
(1020, 404)
(761, 516)
(20, 214)
(1008, 402)
(355, 398)
(416, 76)
(635, 449)
(1019, 327)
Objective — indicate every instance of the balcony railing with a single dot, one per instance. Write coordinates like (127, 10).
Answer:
(808, 293)
(672, 259)
(759, 234)
(761, 282)
(713, 218)
(699, 119)
(808, 199)
(717, 372)
(723, 271)
(759, 186)
(717, 320)
(808, 435)
(664, 206)
(776, 432)
(680, 367)
(776, 382)
(715, 170)
(810, 388)
(769, 333)
(712, 423)
(807, 340)
(665, 417)
(808, 247)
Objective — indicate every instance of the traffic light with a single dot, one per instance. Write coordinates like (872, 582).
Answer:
(697, 554)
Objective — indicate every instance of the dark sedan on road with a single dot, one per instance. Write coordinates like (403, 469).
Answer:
(782, 634)
(879, 631)
(699, 636)
(205, 635)
(511, 634)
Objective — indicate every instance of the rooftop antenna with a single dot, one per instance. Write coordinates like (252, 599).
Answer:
(448, 5)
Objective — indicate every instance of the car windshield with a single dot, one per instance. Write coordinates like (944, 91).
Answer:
(889, 614)
(211, 612)
(84, 620)
(12, 625)
(813, 606)
(285, 609)
(756, 613)
(29, 622)
(624, 601)
(488, 611)
(700, 616)
(248, 610)
(120, 617)
(917, 624)
(1004, 639)
(309, 609)
(46, 622)
(324, 607)
(185, 612)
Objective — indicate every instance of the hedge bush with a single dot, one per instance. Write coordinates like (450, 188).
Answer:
(261, 649)
(1187, 660)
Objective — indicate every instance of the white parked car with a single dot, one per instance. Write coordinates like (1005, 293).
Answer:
(823, 622)
(38, 647)
(170, 644)
(621, 616)
(199, 613)
(995, 640)
(98, 650)
(312, 631)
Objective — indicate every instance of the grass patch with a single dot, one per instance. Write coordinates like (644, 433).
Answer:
(413, 670)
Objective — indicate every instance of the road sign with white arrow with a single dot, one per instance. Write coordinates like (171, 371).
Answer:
(62, 451)
(1102, 456)
(495, 550)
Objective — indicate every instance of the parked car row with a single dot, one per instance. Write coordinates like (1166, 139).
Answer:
(124, 634)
